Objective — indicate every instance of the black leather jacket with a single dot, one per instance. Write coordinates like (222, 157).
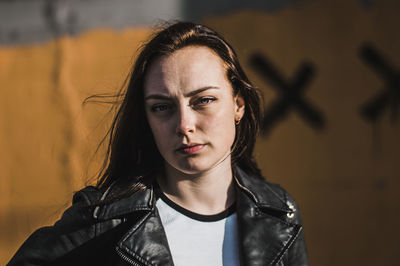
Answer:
(129, 231)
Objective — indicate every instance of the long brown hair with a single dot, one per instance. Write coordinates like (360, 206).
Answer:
(131, 153)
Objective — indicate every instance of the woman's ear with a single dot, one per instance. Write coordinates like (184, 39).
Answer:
(239, 107)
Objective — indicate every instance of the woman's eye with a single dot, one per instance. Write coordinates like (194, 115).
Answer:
(160, 107)
(206, 100)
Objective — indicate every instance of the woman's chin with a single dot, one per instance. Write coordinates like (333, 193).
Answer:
(198, 164)
(190, 167)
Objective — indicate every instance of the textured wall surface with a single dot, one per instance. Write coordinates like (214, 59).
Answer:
(340, 165)
(47, 136)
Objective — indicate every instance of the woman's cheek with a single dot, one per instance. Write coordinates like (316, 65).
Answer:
(221, 122)
(159, 133)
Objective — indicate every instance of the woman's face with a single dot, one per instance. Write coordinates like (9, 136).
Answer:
(191, 109)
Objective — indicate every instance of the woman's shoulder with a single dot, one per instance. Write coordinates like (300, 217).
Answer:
(260, 185)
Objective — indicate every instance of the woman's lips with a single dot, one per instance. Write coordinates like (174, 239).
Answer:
(191, 149)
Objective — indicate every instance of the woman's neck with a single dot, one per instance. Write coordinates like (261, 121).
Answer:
(209, 192)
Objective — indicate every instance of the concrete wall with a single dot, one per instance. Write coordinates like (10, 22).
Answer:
(338, 161)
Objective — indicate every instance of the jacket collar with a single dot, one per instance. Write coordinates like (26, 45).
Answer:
(142, 200)
(261, 192)
(264, 236)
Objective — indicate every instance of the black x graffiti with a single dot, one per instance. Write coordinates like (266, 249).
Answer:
(290, 94)
(388, 98)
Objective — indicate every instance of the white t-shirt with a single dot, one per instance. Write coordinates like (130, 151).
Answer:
(196, 239)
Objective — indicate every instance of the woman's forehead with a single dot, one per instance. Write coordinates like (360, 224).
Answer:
(187, 69)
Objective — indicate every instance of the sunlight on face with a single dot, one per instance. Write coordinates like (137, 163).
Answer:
(191, 109)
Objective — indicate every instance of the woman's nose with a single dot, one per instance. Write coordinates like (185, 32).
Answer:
(186, 121)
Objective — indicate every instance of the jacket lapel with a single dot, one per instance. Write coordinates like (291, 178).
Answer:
(264, 234)
(145, 243)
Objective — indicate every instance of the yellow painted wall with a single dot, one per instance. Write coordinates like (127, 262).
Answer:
(47, 137)
(345, 178)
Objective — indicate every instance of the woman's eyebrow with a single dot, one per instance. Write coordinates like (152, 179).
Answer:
(157, 97)
(192, 93)
(189, 94)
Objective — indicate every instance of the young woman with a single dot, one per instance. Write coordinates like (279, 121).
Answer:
(180, 185)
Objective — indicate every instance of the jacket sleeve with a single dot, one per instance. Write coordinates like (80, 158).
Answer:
(75, 227)
(297, 253)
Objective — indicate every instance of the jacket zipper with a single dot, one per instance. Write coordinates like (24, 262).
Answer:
(121, 253)
(126, 258)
